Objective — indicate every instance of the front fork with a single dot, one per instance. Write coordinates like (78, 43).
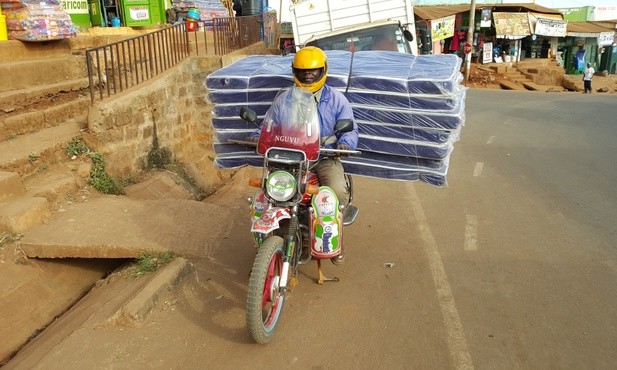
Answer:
(290, 249)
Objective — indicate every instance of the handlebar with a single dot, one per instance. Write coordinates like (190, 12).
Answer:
(323, 152)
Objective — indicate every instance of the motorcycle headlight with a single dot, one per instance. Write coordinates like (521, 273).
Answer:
(281, 186)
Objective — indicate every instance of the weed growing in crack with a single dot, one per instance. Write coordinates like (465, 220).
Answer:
(76, 147)
(100, 179)
(148, 262)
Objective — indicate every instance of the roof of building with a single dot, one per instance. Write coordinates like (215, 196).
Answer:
(440, 11)
(589, 27)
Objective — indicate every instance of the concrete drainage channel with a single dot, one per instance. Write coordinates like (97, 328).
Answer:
(116, 298)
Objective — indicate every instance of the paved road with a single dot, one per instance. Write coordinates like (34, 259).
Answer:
(513, 265)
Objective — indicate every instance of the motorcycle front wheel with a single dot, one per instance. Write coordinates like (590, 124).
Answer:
(265, 301)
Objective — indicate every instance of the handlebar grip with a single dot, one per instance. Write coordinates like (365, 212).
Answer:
(335, 152)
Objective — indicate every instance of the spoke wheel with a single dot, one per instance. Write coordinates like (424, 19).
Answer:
(265, 302)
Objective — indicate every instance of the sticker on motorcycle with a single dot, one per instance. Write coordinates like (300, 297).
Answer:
(269, 221)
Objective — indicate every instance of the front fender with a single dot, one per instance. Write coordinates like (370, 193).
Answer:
(269, 220)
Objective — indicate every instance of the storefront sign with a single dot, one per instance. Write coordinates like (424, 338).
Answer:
(139, 13)
(75, 6)
(487, 53)
(551, 27)
(442, 28)
(605, 13)
(511, 24)
(486, 17)
(606, 38)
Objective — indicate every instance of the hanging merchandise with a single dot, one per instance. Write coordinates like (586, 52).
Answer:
(207, 9)
(34, 20)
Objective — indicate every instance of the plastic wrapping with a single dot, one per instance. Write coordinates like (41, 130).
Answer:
(28, 20)
(409, 109)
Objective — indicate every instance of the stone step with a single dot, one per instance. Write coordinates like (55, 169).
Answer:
(20, 124)
(21, 213)
(11, 101)
(30, 153)
(59, 182)
(509, 85)
(22, 74)
(10, 185)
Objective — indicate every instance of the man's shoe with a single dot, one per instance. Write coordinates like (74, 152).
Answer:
(338, 260)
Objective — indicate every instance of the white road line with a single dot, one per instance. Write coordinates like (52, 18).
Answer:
(471, 233)
(491, 140)
(455, 334)
(477, 171)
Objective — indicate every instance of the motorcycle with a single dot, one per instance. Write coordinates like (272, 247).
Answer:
(294, 219)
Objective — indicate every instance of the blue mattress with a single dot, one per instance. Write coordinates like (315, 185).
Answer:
(368, 165)
(241, 129)
(409, 109)
(436, 119)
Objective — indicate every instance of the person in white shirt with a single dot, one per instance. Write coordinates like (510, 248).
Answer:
(587, 76)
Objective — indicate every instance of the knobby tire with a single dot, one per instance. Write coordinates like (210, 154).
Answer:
(264, 302)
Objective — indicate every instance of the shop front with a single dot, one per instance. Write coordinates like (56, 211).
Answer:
(128, 13)
(587, 42)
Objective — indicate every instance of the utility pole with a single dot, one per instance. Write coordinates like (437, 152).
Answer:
(470, 32)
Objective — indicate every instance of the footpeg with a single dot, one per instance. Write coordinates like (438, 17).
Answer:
(351, 212)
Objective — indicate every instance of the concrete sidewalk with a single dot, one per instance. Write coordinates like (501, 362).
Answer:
(81, 243)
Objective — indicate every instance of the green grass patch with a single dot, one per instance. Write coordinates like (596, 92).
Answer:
(76, 147)
(100, 179)
(148, 262)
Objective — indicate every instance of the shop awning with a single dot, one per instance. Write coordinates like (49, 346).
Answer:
(605, 35)
(544, 24)
(511, 25)
(429, 12)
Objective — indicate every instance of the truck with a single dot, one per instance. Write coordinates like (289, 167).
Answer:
(354, 25)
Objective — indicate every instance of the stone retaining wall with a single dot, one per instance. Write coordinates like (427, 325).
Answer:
(173, 106)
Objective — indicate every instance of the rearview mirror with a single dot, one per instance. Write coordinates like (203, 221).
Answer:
(408, 36)
(343, 125)
(248, 114)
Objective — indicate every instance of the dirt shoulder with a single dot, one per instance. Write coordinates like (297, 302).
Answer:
(483, 78)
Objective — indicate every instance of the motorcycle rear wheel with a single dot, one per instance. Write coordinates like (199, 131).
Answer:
(265, 301)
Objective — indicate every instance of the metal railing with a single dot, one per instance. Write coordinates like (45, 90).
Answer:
(115, 67)
(235, 33)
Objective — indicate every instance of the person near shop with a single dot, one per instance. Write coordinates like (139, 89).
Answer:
(587, 76)
(238, 8)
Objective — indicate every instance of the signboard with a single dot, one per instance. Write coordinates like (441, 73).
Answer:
(442, 28)
(486, 17)
(551, 27)
(487, 53)
(606, 38)
(511, 24)
(75, 6)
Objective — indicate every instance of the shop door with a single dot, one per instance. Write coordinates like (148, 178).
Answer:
(96, 15)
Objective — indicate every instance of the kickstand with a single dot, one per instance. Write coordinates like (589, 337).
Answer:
(322, 277)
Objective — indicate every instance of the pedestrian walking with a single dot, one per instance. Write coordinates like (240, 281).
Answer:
(587, 76)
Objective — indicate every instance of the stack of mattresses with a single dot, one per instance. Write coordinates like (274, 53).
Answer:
(409, 109)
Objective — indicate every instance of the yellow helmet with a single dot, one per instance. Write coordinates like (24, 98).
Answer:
(310, 57)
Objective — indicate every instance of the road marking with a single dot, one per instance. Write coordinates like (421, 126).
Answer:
(477, 171)
(455, 334)
(471, 233)
(491, 140)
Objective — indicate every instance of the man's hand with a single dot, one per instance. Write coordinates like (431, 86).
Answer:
(253, 139)
(343, 147)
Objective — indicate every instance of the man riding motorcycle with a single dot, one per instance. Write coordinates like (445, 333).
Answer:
(310, 71)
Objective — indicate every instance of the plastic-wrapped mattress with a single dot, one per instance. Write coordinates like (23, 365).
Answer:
(369, 165)
(409, 109)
